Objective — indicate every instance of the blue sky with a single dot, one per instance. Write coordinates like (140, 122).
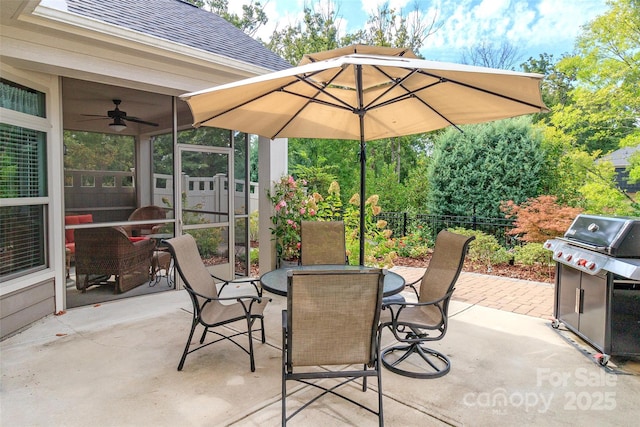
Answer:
(532, 26)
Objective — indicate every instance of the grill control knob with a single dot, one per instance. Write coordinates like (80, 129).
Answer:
(558, 254)
(568, 257)
(591, 266)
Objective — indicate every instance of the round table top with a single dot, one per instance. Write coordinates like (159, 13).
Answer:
(160, 236)
(275, 281)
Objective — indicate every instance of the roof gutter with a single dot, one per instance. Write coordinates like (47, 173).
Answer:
(56, 16)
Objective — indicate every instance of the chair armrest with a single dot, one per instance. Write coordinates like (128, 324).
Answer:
(217, 298)
(243, 280)
(418, 304)
(412, 286)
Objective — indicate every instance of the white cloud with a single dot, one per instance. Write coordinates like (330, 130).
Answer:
(533, 26)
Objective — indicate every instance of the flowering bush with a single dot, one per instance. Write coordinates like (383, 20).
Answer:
(415, 244)
(379, 246)
(291, 206)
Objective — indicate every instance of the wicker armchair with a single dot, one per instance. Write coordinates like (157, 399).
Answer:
(143, 213)
(109, 252)
(332, 321)
(322, 242)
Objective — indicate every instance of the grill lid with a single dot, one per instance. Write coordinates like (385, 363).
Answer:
(617, 236)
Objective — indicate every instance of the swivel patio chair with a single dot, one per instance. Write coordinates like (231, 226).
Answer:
(322, 242)
(210, 308)
(331, 321)
(414, 324)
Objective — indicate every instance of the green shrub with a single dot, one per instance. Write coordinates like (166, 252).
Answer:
(254, 255)
(208, 240)
(531, 254)
(415, 244)
(254, 219)
(485, 248)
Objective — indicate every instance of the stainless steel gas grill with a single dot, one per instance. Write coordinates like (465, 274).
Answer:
(597, 293)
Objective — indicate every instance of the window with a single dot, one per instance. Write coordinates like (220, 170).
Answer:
(23, 185)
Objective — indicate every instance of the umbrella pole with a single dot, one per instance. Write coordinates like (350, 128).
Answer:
(363, 158)
(363, 173)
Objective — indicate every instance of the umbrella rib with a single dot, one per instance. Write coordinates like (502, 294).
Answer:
(278, 89)
(342, 105)
(321, 89)
(499, 95)
(396, 83)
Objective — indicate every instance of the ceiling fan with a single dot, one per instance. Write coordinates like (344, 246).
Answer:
(120, 118)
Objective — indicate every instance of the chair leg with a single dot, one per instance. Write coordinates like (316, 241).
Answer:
(249, 333)
(194, 323)
(364, 380)
(438, 364)
(284, 396)
(284, 378)
(380, 412)
(204, 334)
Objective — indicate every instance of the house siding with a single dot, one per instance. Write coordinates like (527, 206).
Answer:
(21, 308)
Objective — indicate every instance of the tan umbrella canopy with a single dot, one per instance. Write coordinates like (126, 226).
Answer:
(366, 93)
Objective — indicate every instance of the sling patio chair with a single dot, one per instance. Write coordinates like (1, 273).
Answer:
(322, 242)
(331, 323)
(414, 324)
(210, 308)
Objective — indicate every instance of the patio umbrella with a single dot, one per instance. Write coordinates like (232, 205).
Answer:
(365, 93)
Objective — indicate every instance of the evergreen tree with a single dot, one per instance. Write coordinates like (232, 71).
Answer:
(472, 172)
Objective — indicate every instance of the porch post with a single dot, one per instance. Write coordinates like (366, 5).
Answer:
(272, 164)
(144, 178)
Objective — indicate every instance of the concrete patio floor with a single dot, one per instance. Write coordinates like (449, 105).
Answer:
(114, 364)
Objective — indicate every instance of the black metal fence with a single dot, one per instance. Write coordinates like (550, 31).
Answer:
(403, 223)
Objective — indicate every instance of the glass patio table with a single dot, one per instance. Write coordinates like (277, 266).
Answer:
(275, 281)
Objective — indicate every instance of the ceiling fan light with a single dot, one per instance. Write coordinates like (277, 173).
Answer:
(118, 124)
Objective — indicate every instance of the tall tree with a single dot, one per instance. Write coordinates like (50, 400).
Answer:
(318, 31)
(605, 103)
(555, 86)
(487, 54)
(473, 171)
(397, 28)
(253, 14)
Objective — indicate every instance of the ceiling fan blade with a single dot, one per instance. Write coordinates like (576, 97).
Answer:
(95, 115)
(137, 120)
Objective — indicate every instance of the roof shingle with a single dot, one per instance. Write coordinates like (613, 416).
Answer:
(180, 22)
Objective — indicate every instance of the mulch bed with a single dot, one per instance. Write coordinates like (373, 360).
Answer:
(535, 273)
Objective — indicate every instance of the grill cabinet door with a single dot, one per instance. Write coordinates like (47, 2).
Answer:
(567, 291)
(593, 319)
